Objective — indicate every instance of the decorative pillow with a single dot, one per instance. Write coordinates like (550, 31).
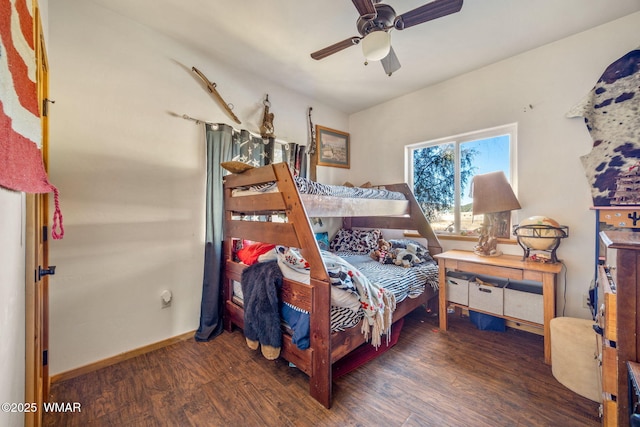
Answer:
(235, 166)
(360, 241)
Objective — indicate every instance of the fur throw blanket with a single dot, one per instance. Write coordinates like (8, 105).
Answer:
(260, 285)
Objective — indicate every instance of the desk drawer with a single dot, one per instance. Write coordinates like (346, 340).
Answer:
(609, 370)
(610, 317)
(609, 308)
(492, 270)
(609, 413)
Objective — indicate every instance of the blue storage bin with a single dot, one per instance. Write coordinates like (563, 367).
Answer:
(486, 322)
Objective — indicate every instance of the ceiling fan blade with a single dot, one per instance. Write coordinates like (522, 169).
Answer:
(365, 8)
(336, 47)
(430, 11)
(390, 63)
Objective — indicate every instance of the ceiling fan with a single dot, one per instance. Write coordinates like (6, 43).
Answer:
(375, 23)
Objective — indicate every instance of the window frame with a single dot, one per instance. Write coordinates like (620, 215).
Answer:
(510, 129)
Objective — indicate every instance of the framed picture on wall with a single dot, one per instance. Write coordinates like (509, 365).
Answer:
(333, 147)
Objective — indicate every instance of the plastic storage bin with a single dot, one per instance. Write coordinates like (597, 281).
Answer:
(487, 322)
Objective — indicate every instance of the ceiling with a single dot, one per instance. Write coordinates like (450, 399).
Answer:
(274, 38)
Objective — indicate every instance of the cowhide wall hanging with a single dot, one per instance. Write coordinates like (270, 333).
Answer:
(611, 112)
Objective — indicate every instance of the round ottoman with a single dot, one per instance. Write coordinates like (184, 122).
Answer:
(574, 356)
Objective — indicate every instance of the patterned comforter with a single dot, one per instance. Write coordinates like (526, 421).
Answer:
(401, 282)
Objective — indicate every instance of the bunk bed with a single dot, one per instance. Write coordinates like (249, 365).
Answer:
(296, 208)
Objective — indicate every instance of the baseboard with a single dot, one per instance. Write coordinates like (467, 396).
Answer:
(119, 358)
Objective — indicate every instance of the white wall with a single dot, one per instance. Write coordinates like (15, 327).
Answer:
(534, 89)
(12, 300)
(131, 177)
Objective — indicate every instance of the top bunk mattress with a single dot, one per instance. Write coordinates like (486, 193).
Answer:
(306, 186)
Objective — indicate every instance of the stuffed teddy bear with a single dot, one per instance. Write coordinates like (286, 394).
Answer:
(383, 253)
(409, 256)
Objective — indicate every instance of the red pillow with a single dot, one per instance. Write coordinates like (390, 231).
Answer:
(249, 254)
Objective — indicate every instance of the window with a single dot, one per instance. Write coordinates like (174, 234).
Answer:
(440, 173)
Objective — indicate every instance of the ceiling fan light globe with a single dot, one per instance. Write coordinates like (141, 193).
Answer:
(376, 45)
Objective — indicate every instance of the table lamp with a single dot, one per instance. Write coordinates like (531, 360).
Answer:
(493, 197)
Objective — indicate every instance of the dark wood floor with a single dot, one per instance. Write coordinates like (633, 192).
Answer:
(463, 377)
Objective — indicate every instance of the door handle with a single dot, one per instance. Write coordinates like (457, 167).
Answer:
(46, 271)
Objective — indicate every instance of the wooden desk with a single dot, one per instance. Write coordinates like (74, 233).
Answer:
(507, 267)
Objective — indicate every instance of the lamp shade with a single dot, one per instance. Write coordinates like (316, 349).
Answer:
(492, 193)
(376, 45)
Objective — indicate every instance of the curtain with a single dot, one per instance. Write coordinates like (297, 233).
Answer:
(223, 144)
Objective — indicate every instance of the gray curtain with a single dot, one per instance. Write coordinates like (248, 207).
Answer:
(223, 144)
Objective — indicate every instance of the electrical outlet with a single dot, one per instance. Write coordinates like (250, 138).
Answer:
(585, 301)
(166, 298)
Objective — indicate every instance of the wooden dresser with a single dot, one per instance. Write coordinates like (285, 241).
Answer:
(619, 280)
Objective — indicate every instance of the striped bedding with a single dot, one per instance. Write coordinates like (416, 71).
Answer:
(306, 186)
(402, 282)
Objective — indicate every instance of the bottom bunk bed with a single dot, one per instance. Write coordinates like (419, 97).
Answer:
(334, 325)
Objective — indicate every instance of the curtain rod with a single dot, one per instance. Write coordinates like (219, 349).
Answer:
(198, 121)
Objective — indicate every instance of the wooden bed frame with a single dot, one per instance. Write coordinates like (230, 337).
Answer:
(326, 347)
